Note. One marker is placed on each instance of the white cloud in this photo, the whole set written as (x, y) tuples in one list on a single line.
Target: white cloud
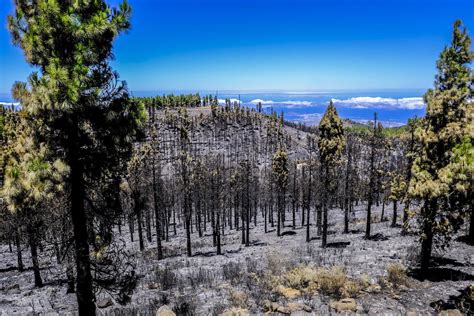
[(305, 103), (264, 102), (288, 104), (232, 101), (414, 103)]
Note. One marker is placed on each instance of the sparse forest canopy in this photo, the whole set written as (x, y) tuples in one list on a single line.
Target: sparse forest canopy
[(153, 201)]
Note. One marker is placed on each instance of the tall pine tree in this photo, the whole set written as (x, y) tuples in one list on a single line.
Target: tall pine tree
[(83, 111), (442, 173), (331, 145)]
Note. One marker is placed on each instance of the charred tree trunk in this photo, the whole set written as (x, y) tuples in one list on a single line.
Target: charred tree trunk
[(347, 189), (394, 218), (32, 240), (84, 293), (157, 213), (471, 226), (429, 211), (138, 212), (371, 181), (19, 255)]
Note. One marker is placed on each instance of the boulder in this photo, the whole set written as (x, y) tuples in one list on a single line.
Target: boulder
[(346, 304), (296, 307), (235, 311), (450, 312), (104, 303), (270, 306), (153, 286), (165, 311), (288, 292)]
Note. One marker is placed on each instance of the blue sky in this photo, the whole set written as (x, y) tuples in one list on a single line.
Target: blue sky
[(283, 45)]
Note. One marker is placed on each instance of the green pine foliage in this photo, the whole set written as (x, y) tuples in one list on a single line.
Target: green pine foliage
[(443, 172), (82, 113), (331, 137)]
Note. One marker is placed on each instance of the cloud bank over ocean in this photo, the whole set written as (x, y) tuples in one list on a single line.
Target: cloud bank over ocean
[(268, 103), (413, 103), (393, 107)]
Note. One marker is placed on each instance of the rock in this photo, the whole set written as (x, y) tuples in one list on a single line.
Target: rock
[(270, 306), (235, 311), (411, 313), (103, 303), (165, 311), (153, 286), (288, 292), (450, 312), (346, 304), (225, 286), (283, 310), (295, 307), (396, 297), (275, 307)]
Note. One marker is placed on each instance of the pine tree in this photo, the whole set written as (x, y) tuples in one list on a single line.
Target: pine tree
[(411, 152), (30, 180), (84, 112), (280, 173), (443, 172), (331, 145), (397, 189)]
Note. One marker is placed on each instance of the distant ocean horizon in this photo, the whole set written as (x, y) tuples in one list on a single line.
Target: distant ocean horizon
[(393, 107)]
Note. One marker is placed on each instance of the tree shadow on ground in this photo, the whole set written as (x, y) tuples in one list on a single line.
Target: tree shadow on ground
[(378, 237), (440, 261), (465, 239), (288, 233), (436, 274), (339, 244)]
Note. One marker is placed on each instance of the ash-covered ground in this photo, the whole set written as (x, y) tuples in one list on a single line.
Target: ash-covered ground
[(246, 277)]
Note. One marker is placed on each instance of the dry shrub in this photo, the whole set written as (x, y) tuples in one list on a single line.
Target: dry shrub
[(238, 298), (352, 288), (330, 281), (397, 275)]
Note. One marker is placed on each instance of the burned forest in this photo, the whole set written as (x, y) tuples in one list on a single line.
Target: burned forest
[(191, 204)]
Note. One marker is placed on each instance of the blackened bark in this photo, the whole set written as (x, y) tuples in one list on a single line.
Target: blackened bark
[(157, 213), (19, 255), (470, 239), (427, 241), (85, 296), (34, 255), (371, 181), (138, 212), (394, 218)]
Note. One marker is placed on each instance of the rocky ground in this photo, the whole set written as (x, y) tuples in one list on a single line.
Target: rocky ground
[(252, 279)]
